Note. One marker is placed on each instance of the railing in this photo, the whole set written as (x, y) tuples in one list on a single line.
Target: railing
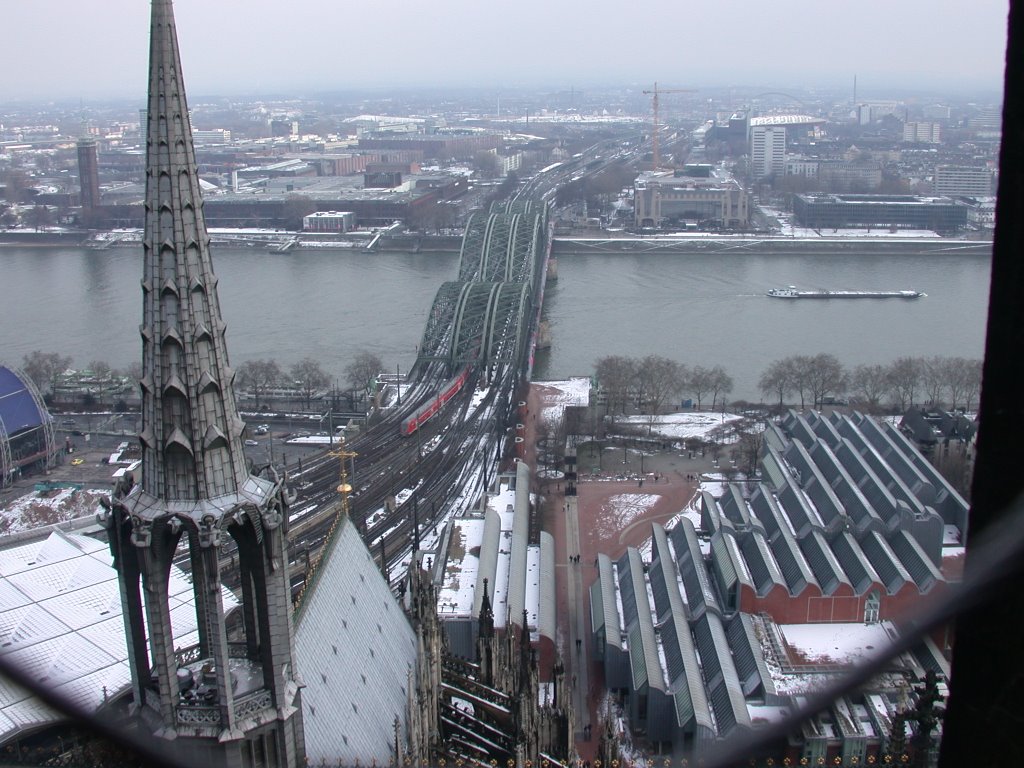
[(209, 715), (193, 653), (197, 715), (186, 656)]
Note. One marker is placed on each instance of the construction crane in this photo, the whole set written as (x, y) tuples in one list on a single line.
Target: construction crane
[(655, 93)]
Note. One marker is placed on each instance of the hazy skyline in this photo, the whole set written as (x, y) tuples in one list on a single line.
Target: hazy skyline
[(56, 49)]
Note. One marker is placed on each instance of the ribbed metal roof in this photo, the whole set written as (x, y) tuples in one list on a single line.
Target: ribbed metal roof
[(920, 567), (749, 659), (764, 569), (546, 623), (827, 571), (884, 560), (643, 647), (519, 544), (720, 677), (690, 563), (488, 565), (881, 501), (855, 563), (794, 567), (604, 613)]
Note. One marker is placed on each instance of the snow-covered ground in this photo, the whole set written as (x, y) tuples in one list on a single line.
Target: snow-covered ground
[(38, 509), (789, 229), (617, 512), (844, 643), (559, 394), (682, 425)]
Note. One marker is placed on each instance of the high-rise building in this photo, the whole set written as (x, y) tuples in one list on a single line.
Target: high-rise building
[(767, 150), (88, 174), (922, 133), (963, 181), (231, 699)]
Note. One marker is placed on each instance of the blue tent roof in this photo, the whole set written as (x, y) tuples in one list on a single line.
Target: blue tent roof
[(18, 411)]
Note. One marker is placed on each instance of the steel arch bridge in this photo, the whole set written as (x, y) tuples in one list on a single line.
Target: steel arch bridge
[(503, 246), (485, 316), (482, 322)]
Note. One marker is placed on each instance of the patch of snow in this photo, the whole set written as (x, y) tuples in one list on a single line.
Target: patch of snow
[(841, 643), (556, 395), (617, 512), (682, 425), (46, 508)]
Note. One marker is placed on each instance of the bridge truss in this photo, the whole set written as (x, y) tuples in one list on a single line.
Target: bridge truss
[(485, 316)]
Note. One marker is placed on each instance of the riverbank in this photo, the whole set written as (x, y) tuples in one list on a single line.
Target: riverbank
[(853, 242)]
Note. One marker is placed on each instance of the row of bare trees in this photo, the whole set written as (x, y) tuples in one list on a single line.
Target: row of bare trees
[(307, 377), (651, 383), (819, 379), (255, 377)]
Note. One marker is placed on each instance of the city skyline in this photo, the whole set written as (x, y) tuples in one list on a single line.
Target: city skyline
[(89, 50)]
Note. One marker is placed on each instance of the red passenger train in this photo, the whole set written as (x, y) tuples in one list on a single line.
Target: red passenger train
[(432, 406)]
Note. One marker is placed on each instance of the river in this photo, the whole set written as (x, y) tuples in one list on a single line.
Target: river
[(701, 309)]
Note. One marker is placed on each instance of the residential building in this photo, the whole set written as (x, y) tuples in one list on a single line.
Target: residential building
[(802, 166), (922, 133), (767, 150), (88, 174), (850, 175), (963, 181)]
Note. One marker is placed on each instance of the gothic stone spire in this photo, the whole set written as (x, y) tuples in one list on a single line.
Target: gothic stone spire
[(191, 436), (196, 490)]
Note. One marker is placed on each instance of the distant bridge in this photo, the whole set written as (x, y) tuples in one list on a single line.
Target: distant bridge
[(486, 316)]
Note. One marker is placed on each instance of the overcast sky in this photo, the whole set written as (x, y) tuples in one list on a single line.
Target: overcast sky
[(97, 48)]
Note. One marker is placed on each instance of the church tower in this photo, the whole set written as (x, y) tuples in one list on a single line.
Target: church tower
[(232, 699)]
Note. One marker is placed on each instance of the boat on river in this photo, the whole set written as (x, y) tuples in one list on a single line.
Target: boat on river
[(791, 292)]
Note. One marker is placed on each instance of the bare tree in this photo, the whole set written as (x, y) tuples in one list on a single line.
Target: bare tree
[(309, 377), (825, 376), (45, 368), (615, 376), (257, 376), (935, 377), (869, 383), (659, 379), (777, 379), (295, 209), (800, 370), (904, 380), (721, 384), (751, 439), (363, 369), (100, 369), (971, 381), (963, 378), (699, 383)]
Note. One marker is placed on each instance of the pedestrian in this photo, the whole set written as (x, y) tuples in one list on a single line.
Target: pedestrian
[(579, 643)]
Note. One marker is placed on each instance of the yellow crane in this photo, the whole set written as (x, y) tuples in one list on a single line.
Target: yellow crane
[(654, 136)]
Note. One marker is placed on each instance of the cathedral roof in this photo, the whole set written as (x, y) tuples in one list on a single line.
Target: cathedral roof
[(354, 650)]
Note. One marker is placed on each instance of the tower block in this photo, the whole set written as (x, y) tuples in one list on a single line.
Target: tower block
[(232, 699)]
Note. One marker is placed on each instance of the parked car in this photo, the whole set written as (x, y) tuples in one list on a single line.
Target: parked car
[(251, 442)]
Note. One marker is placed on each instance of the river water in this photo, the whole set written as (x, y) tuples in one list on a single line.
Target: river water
[(705, 309)]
